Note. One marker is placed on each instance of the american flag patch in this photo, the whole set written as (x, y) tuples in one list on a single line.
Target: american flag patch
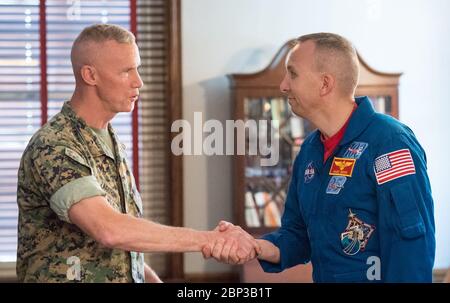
[(394, 165)]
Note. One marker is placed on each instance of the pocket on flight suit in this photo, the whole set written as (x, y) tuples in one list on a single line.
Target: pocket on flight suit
[(410, 221)]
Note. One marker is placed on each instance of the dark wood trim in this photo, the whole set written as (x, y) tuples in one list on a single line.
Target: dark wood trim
[(364, 64), (43, 60), (9, 280), (269, 77), (174, 97), (264, 77), (135, 114)]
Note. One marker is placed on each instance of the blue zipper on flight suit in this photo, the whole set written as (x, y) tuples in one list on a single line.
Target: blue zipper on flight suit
[(322, 172)]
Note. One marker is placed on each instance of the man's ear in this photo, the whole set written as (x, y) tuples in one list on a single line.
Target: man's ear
[(328, 83), (89, 74)]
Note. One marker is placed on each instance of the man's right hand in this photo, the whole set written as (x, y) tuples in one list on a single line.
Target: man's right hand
[(231, 244)]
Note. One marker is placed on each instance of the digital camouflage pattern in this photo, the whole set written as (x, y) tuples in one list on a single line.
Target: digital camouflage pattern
[(63, 150)]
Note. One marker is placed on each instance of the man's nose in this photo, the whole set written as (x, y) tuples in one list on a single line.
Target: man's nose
[(284, 87), (138, 83)]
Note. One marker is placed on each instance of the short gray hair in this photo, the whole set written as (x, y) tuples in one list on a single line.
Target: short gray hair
[(105, 32), (335, 54), (97, 33)]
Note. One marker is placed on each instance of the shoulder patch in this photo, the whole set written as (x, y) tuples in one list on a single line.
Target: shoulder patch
[(393, 165)]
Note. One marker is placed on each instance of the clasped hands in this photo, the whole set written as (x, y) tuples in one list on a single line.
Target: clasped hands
[(231, 244)]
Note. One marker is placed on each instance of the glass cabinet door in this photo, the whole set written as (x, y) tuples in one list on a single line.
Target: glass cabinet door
[(266, 186)]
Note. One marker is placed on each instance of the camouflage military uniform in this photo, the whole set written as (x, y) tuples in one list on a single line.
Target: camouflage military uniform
[(64, 158)]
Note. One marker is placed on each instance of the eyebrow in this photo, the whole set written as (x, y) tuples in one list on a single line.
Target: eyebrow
[(132, 67)]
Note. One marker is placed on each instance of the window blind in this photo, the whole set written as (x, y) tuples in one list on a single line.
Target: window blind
[(65, 20), (153, 121), (19, 106), (20, 102)]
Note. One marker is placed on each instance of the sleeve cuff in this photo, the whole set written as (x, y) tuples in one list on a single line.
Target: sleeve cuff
[(268, 266), (73, 192)]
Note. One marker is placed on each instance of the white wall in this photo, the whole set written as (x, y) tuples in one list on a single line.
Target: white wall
[(238, 36)]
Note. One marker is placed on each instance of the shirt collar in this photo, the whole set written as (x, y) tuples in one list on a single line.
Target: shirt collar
[(332, 142), (359, 121), (95, 146)]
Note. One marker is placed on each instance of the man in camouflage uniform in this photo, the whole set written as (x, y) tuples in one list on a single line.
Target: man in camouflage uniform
[(80, 214), (65, 162)]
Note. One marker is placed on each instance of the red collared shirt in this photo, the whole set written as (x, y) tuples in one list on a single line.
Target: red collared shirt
[(331, 143)]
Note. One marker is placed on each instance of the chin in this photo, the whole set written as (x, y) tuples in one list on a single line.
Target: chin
[(128, 107), (297, 112)]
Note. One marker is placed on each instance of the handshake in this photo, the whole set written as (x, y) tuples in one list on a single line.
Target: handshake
[(230, 244)]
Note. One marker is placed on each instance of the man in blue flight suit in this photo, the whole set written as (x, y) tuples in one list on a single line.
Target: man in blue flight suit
[(359, 204)]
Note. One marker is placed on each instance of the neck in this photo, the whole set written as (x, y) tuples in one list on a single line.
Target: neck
[(330, 119), (89, 107)]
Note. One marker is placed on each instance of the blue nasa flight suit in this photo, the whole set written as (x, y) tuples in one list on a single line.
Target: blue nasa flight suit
[(383, 210)]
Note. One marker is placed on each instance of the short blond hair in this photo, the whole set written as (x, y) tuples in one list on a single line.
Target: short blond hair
[(97, 33), (337, 55)]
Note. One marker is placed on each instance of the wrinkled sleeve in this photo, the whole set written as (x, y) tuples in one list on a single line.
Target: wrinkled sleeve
[(406, 216), (65, 178), (291, 238)]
